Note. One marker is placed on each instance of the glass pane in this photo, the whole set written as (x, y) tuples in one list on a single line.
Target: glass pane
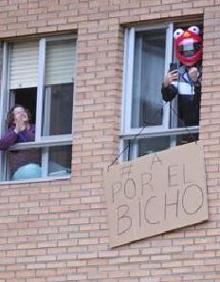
[(26, 97), (155, 144), (27, 164), (60, 160), (24, 164), (186, 138), (58, 107), (60, 61), (188, 110), (137, 148), (149, 61), (23, 64)]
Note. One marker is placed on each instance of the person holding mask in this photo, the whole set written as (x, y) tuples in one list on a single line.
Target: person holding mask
[(184, 79), (23, 164)]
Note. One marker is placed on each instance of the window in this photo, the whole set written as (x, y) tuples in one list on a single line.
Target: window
[(149, 124), (39, 75)]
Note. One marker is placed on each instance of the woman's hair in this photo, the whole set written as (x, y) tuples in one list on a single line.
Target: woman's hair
[(10, 115)]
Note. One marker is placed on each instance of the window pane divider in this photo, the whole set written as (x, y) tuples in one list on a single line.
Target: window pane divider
[(168, 60), (41, 144), (4, 100), (45, 159), (40, 88), (128, 77), (146, 134)]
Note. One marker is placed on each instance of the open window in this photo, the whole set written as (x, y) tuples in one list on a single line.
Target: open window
[(149, 124), (39, 75)]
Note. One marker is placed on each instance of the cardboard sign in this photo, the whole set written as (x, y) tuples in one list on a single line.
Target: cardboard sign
[(156, 193)]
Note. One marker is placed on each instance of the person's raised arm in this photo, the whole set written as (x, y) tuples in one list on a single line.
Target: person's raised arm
[(20, 123), (168, 90), (8, 139)]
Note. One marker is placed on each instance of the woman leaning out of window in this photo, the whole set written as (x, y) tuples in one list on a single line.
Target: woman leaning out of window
[(23, 164)]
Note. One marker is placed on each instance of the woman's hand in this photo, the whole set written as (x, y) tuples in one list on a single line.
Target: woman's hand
[(21, 122), (20, 125), (170, 77), (20, 119)]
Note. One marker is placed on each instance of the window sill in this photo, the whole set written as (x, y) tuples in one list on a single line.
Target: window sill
[(47, 142), (135, 133)]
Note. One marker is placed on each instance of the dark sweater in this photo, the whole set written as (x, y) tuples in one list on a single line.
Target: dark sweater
[(188, 105), (19, 158)]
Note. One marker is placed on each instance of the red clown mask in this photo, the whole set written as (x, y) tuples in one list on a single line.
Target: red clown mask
[(188, 45)]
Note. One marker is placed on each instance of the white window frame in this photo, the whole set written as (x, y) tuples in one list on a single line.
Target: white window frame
[(134, 134), (41, 141)]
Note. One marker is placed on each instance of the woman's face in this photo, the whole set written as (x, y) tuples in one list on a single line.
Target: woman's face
[(20, 114)]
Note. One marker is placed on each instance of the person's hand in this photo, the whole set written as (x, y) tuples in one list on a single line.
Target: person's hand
[(170, 77), (193, 74), (20, 124)]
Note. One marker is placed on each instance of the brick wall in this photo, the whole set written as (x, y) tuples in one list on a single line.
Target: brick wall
[(57, 231)]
